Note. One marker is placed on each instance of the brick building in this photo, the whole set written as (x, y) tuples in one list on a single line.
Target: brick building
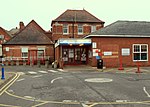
[(4, 37), (30, 44), (125, 42), (68, 30), (74, 24)]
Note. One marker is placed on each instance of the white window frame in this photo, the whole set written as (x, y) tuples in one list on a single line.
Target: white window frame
[(140, 52), (39, 52), (66, 27), (80, 27), (93, 28), (24, 50)]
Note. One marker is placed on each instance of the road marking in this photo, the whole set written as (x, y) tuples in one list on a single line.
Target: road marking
[(84, 105), (60, 70), (98, 80), (20, 79), (121, 101), (52, 71), (56, 79), (43, 72), (6, 86), (76, 103), (146, 92), (32, 72), (21, 73), (4, 105), (37, 76)]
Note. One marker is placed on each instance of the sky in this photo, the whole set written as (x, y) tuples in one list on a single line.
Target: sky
[(44, 11)]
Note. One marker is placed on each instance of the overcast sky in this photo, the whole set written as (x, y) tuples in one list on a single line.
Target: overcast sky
[(44, 11)]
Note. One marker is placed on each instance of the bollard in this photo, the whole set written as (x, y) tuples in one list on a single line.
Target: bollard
[(3, 75), (121, 67), (138, 67)]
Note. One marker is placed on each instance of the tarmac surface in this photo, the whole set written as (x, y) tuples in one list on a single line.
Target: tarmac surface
[(75, 86), (9, 75)]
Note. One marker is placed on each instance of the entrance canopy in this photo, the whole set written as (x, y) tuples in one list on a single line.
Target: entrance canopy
[(73, 41)]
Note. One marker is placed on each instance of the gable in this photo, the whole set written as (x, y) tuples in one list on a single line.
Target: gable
[(31, 34)]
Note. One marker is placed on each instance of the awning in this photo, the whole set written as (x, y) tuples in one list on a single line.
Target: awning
[(73, 41)]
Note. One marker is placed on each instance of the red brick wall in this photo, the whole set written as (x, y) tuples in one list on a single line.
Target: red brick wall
[(115, 45), (15, 50), (57, 30), (6, 36)]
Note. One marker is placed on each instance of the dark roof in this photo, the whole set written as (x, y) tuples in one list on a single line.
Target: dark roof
[(78, 16), (31, 34), (125, 28)]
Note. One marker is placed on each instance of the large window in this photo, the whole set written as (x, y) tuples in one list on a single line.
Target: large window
[(80, 29), (65, 29), (24, 52), (140, 52)]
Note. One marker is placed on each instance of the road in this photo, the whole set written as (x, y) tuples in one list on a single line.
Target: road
[(47, 87)]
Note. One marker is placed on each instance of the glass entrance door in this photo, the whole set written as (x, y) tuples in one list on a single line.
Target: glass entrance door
[(77, 55), (74, 56)]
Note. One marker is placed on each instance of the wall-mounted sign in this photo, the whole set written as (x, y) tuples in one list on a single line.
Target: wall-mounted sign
[(107, 53), (125, 51), (74, 41)]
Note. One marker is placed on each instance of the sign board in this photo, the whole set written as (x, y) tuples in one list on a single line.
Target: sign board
[(74, 41), (107, 53), (95, 54), (98, 57), (7, 49), (125, 51)]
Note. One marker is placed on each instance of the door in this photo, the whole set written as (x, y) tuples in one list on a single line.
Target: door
[(77, 55)]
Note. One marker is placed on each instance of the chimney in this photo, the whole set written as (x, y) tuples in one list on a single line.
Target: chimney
[(21, 24)]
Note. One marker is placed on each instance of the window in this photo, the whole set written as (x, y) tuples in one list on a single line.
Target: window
[(80, 29), (65, 29), (93, 28), (41, 52), (140, 52), (24, 52)]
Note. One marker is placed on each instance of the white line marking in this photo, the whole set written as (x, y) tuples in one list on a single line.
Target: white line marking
[(56, 79), (32, 72), (52, 71), (146, 92), (37, 76), (121, 101), (84, 105), (60, 70), (21, 73), (20, 79), (43, 72)]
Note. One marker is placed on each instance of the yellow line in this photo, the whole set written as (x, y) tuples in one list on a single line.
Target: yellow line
[(8, 83), (14, 79), (4, 105), (23, 97), (90, 103), (40, 104)]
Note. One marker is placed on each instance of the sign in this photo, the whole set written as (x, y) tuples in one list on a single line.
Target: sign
[(107, 53), (125, 51), (98, 57), (74, 41), (7, 49), (95, 54)]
